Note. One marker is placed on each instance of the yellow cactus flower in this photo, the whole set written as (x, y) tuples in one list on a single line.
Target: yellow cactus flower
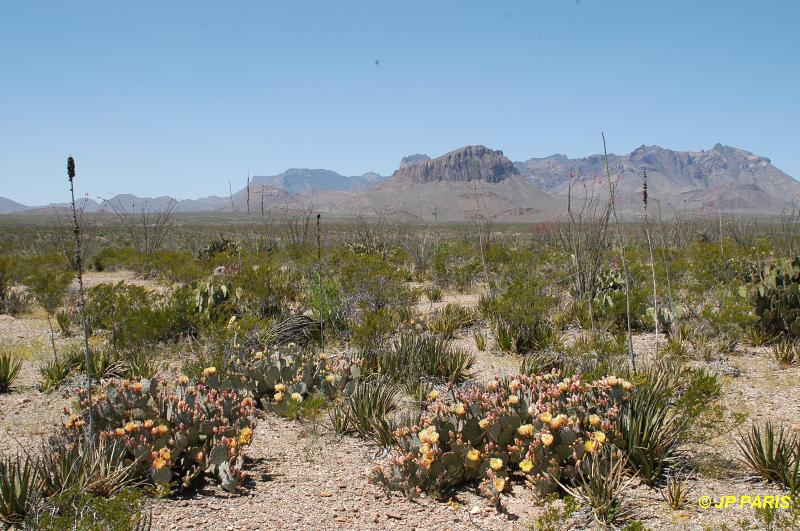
[(627, 385), (330, 378), (148, 424), (546, 417), (547, 439), (165, 454), (296, 397), (499, 484), (589, 446), (473, 455), (458, 409), (119, 432), (246, 436), (159, 463), (278, 396), (526, 430), (513, 399), (484, 423), (130, 427), (162, 429), (612, 380), (526, 465), (183, 379), (495, 463), (514, 385), (558, 422), (594, 420), (208, 371), (323, 356), (433, 395), (600, 437), (280, 388), (258, 356)]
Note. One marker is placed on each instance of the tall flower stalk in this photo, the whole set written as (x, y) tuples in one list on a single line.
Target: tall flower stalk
[(76, 231), (652, 261)]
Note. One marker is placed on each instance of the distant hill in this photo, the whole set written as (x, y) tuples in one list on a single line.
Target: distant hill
[(7, 206), (724, 178), (306, 181)]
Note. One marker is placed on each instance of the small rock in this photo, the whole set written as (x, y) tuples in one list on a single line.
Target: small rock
[(394, 516), (326, 494), (475, 510)]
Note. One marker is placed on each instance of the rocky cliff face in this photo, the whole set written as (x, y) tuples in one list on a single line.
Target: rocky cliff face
[(413, 159), (467, 164)]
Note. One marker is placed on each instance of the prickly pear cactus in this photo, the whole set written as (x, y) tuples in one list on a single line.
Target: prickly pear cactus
[(175, 432), (538, 427), (774, 295)]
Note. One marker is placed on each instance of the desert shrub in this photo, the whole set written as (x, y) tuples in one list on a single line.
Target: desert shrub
[(539, 427), (451, 319), (772, 453), (517, 317), (373, 329), (115, 258), (9, 370), (456, 265), (11, 302), (134, 316), (18, 487), (774, 297), (676, 492), (263, 291), (176, 433), (370, 282), (125, 511)]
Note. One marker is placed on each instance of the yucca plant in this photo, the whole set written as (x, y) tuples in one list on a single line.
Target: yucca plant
[(786, 353), (677, 490), (369, 407), (54, 372), (72, 469), (540, 362), (64, 321), (651, 433), (451, 319), (601, 486), (503, 335), (773, 454), (18, 487), (9, 370), (480, 340), (434, 294)]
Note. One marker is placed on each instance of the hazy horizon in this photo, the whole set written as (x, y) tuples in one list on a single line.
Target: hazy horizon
[(177, 99)]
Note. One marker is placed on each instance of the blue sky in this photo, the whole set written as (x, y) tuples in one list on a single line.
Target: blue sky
[(179, 97)]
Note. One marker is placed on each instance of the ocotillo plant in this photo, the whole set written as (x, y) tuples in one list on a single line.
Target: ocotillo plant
[(611, 192), (76, 230)]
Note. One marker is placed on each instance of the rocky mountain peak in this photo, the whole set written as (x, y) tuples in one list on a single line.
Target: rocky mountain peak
[(466, 164)]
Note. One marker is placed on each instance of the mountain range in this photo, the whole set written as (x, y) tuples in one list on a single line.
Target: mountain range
[(475, 180)]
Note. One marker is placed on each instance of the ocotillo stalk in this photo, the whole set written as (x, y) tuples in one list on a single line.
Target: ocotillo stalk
[(652, 261), (76, 230), (611, 192)]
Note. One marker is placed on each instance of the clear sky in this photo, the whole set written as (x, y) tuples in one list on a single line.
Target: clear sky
[(178, 97)]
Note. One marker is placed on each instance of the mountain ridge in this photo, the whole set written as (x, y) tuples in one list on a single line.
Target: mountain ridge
[(721, 178)]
